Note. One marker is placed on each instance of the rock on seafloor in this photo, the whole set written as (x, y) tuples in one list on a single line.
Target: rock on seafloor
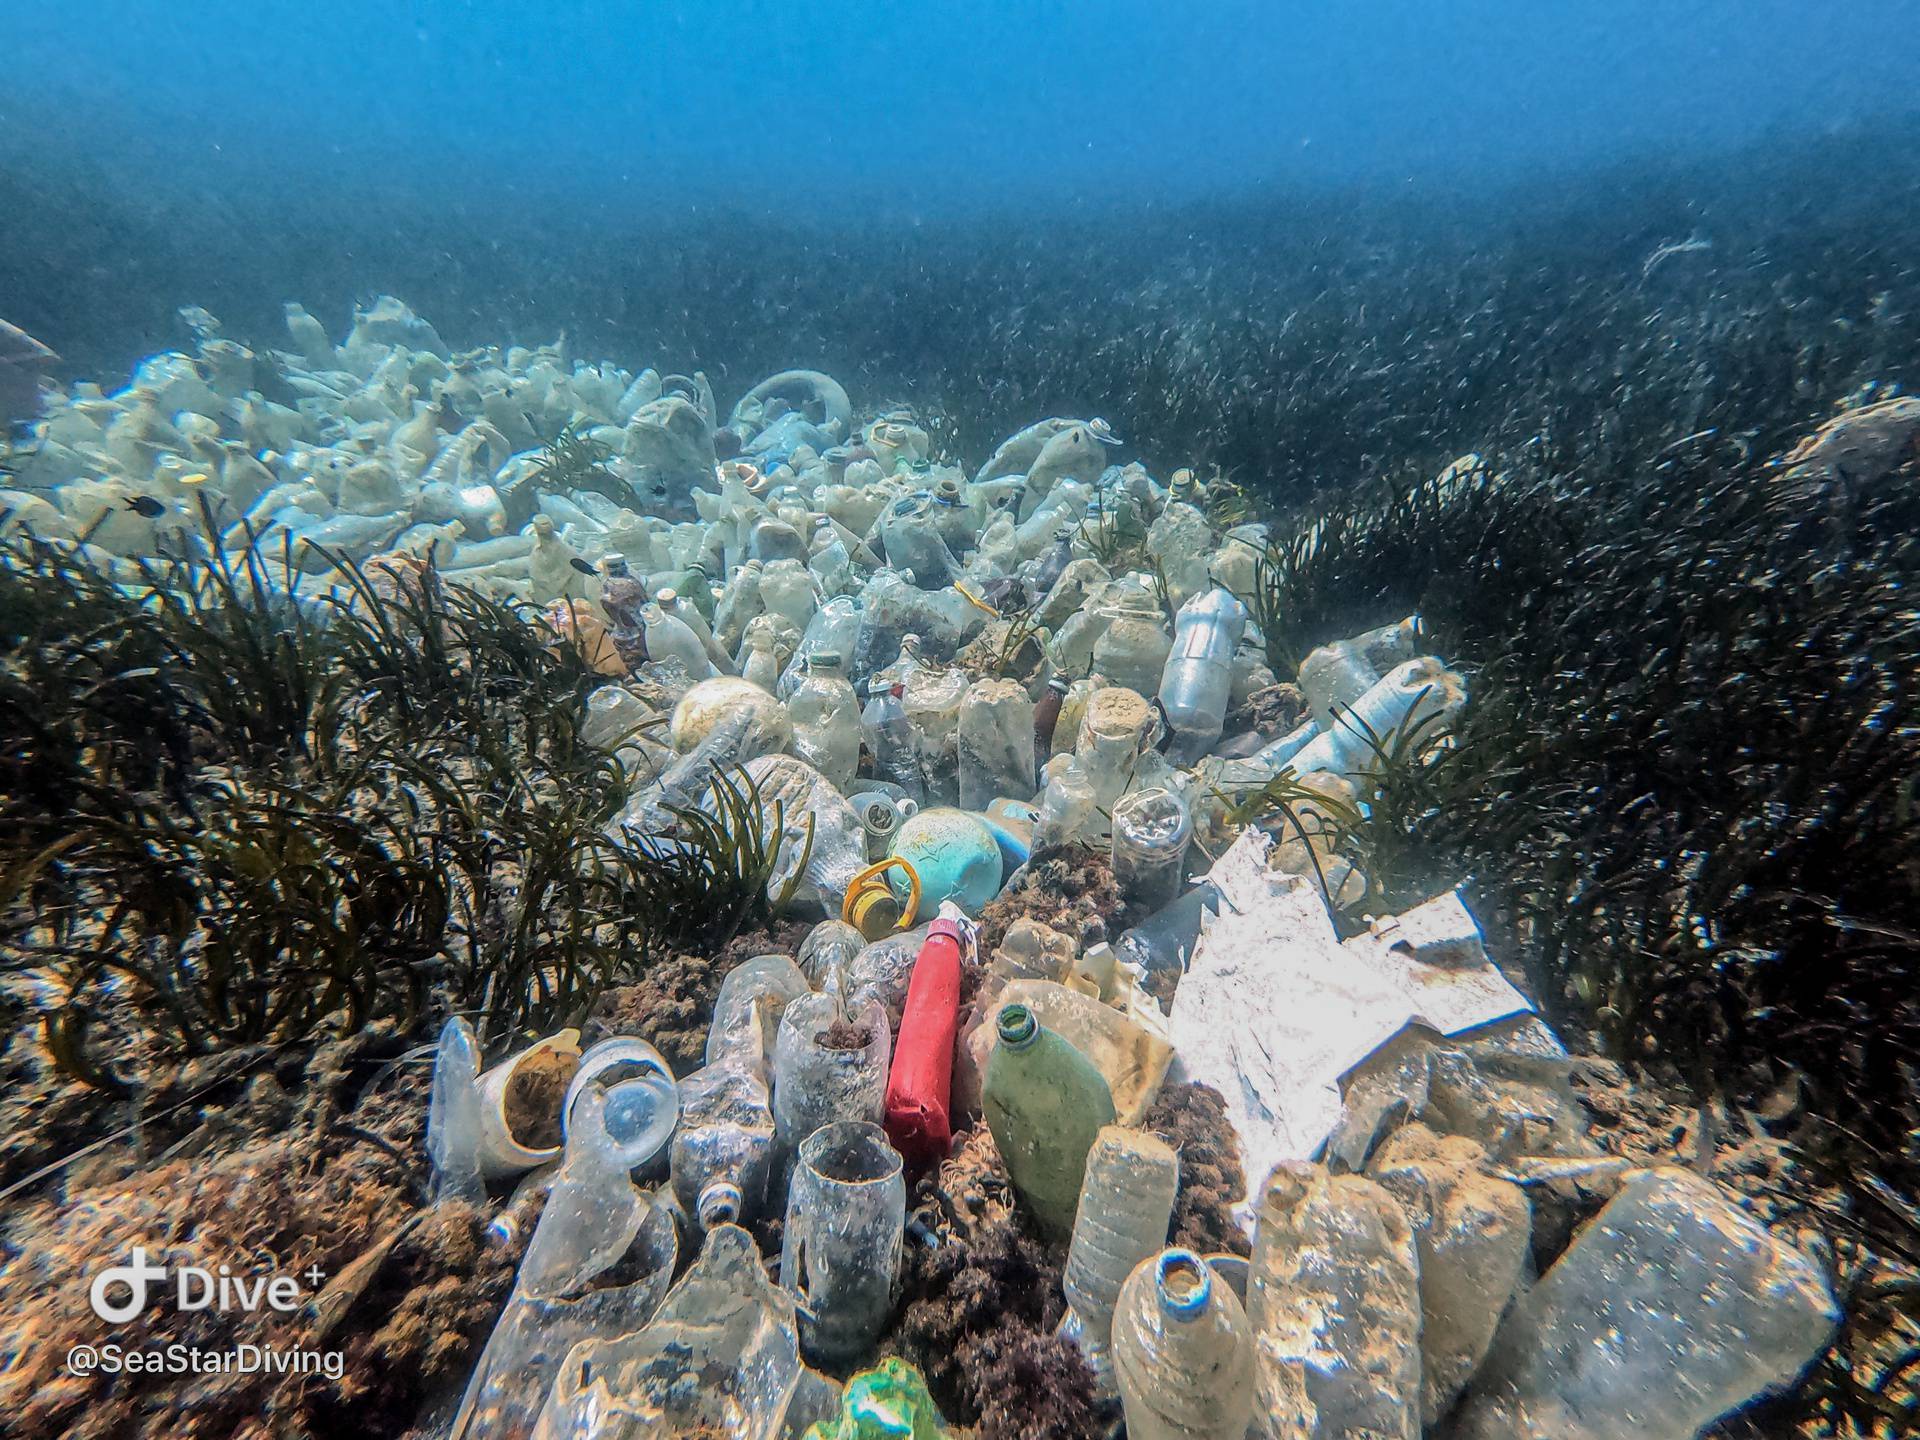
[(1671, 1308), (1334, 1297)]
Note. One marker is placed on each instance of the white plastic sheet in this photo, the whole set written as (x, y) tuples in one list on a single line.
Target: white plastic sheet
[(1274, 1009)]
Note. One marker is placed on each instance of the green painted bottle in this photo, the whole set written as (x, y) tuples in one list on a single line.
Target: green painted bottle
[(1045, 1104)]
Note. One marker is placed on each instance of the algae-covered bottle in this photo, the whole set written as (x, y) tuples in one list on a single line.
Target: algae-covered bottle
[(1045, 1104), (1182, 1352), (826, 721)]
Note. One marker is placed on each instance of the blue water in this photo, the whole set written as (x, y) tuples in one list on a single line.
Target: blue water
[(815, 108)]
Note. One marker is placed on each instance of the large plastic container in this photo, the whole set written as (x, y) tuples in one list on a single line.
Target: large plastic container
[(1045, 1104)]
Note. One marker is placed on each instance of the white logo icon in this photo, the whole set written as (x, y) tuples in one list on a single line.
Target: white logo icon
[(134, 1276)]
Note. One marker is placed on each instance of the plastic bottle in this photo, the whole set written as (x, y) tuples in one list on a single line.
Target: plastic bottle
[(747, 1012), (1407, 695), (1046, 719), (1132, 650), (669, 638), (1151, 830), (995, 743), (845, 1233), (688, 614), (1198, 676), (1045, 1104), (826, 954), (723, 1149), (1165, 939), (739, 603), (919, 1087), (835, 626), (762, 665), (821, 1075), (826, 721), (787, 589), (896, 753), (1113, 733), (913, 544), (1126, 1203), (932, 698), (1066, 807), (1182, 1352)]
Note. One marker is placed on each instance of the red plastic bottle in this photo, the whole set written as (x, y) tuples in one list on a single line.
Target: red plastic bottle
[(920, 1085)]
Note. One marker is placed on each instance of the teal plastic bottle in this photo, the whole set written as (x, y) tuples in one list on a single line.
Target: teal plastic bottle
[(1045, 1105)]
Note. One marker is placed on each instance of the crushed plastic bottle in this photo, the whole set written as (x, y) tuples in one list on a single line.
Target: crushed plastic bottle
[(845, 1232), (721, 1356), (829, 1065)]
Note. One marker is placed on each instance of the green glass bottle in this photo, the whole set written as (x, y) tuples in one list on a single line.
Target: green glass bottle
[(1045, 1104)]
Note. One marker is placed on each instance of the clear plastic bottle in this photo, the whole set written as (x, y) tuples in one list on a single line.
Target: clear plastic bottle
[(1198, 677), (835, 626), (787, 589), (828, 1065), (669, 638), (826, 721), (1126, 1203), (1151, 831), (1410, 694), (913, 543), (762, 665), (896, 751), (1066, 807), (932, 697), (688, 614), (1182, 1352), (844, 1239), (1113, 732)]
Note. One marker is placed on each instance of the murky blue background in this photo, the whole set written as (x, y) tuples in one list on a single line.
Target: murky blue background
[(802, 106)]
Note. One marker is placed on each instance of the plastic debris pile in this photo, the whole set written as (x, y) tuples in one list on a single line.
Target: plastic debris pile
[(934, 682)]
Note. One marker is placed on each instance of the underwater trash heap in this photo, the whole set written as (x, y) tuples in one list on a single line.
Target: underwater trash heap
[(1055, 853)]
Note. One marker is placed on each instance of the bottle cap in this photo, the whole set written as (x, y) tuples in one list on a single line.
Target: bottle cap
[(667, 595), (1184, 1283), (1017, 1026)]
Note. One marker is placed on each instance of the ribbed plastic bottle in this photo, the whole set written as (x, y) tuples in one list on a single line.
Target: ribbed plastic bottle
[(1182, 1352), (1126, 1202), (1045, 1104), (826, 721), (1198, 676)]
